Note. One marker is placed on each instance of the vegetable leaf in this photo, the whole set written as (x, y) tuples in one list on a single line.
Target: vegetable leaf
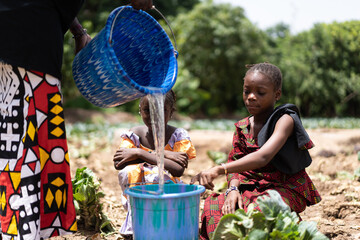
[(87, 196), (217, 157), (274, 221)]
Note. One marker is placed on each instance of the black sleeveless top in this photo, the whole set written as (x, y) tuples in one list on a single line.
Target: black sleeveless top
[(32, 32), (293, 156)]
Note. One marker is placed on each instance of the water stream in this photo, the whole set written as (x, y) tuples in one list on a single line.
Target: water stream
[(156, 102)]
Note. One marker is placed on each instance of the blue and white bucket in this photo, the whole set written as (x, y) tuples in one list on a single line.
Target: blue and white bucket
[(132, 56)]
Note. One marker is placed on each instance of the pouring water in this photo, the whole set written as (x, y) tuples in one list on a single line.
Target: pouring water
[(156, 102)]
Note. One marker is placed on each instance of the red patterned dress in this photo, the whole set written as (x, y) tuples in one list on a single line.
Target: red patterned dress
[(296, 190), (35, 182)]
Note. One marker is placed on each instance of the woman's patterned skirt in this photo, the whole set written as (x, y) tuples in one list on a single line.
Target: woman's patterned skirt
[(35, 184)]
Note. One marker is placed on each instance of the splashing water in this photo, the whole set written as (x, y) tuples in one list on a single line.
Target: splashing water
[(156, 102)]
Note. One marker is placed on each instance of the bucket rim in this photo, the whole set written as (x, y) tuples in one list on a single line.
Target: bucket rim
[(143, 89), (143, 194)]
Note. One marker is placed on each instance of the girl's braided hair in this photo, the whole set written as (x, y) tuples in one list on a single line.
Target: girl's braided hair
[(269, 70)]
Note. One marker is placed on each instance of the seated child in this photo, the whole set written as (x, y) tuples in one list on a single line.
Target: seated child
[(269, 152), (136, 158)]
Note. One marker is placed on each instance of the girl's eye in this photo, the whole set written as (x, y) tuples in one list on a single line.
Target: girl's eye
[(261, 93), (246, 92)]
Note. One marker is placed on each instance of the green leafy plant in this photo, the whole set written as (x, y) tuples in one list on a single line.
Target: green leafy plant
[(87, 196), (275, 221), (220, 187), (217, 157)]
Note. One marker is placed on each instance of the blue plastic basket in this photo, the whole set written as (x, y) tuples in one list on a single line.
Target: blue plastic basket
[(130, 57)]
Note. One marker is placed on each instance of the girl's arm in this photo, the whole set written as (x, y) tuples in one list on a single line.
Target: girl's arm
[(127, 156), (283, 129), (124, 157), (180, 158)]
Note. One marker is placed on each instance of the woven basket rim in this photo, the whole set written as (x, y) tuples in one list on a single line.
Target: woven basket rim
[(113, 57)]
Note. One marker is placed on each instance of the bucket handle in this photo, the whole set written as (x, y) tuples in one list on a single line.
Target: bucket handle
[(153, 7)]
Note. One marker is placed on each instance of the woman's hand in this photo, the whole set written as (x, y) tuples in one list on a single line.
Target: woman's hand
[(180, 158), (125, 155), (81, 41), (207, 177), (79, 34), (142, 4), (231, 200)]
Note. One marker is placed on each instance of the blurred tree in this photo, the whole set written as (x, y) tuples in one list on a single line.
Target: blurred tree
[(279, 31), (215, 42), (97, 11), (174, 7), (321, 72), (320, 66)]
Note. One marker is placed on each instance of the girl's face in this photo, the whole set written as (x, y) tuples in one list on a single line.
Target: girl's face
[(259, 93), (145, 112)]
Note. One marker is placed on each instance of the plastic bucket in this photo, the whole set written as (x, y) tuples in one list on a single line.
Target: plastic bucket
[(130, 57), (172, 215)]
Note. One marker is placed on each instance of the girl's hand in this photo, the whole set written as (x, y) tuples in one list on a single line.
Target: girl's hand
[(142, 4), (179, 157), (125, 155), (206, 178), (231, 200)]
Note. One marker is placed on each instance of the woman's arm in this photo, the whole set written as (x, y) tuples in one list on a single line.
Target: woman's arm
[(82, 38), (283, 129), (142, 4)]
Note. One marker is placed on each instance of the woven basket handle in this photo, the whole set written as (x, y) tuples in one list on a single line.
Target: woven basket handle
[(153, 7), (176, 49)]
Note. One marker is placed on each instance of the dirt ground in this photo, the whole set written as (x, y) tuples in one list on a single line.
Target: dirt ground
[(334, 161)]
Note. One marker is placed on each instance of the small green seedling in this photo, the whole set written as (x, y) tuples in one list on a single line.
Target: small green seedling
[(87, 195), (217, 157)]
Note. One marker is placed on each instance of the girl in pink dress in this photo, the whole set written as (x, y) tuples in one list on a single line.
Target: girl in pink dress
[(136, 158)]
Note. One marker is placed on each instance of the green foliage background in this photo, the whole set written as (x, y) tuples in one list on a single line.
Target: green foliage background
[(320, 66)]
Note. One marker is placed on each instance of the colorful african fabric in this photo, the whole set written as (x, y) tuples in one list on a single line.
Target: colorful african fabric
[(35, 184), (296, 190), (144, 172)]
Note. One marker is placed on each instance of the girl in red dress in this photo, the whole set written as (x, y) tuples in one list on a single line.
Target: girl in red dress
[(269, 153)]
